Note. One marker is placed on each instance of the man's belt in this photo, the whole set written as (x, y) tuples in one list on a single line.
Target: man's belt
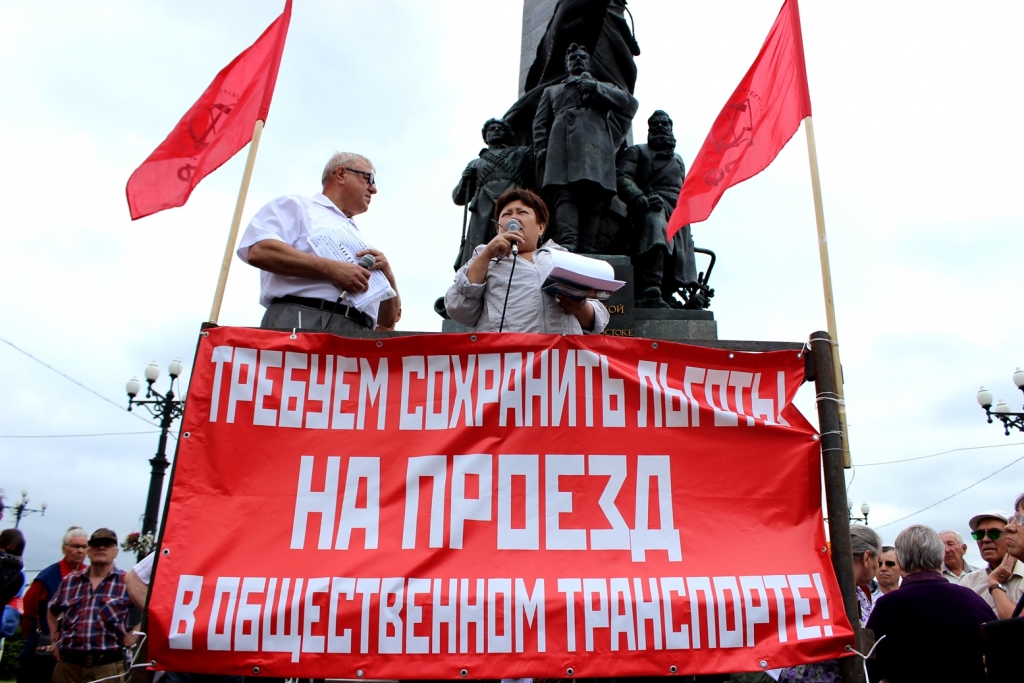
[(89, 658), (353, 314)]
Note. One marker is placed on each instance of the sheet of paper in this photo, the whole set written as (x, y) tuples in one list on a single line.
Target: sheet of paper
[(338, 244), (590, 273)]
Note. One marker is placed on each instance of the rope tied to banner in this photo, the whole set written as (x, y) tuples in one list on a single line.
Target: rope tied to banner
[(133, 665), (864, 657)]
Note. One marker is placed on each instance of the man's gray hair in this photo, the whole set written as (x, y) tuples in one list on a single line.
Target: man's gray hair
[(919, 548), (72, 532), (864, 539), (340, 159), (959, 538)]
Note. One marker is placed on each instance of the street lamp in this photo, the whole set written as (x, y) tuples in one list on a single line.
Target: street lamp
[(167, 409), (21, 508), (864, 510), (1002, 410)]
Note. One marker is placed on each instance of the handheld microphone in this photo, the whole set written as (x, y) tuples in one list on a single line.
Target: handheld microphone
[(514, 225), (367, 261)]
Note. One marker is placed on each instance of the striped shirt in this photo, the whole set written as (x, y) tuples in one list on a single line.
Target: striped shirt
[(94, 619)]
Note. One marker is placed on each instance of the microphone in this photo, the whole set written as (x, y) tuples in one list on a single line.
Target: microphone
[(514, 225), (367, 261)]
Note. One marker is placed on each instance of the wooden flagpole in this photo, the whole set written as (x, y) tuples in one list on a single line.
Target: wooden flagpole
[(236, 220), (826, 282)]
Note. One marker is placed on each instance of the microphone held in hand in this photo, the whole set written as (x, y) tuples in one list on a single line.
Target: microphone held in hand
[(367, 261), (514, 225)]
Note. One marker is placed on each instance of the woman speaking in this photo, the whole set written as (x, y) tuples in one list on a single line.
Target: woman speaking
[(499, 289)]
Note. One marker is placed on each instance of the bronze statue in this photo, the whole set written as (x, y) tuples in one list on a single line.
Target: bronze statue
[(650, 177), (577, 129), (498, 169)]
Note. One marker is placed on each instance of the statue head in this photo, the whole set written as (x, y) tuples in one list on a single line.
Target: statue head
[(577, 59), (497, 132), (659, 132)]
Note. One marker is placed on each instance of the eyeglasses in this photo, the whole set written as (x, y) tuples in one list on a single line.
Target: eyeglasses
[(1017, 519), (103, 543), (888, 563), (369, 177), (76, 546), (993, 534)]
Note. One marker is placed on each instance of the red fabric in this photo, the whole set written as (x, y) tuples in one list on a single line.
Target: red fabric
[(219, 124), (281, 454), (760, 117)]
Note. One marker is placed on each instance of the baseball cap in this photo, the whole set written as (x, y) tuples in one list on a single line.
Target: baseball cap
[(988, 514), (103, 534)]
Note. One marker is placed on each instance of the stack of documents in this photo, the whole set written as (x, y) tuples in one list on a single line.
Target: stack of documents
[(580, 277)]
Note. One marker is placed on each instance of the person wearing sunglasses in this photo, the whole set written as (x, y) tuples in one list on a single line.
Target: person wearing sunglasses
[(889, 572), (1002, 581), (305, 281)]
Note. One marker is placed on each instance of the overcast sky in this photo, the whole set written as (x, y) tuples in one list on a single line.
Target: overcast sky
[(916, 110)]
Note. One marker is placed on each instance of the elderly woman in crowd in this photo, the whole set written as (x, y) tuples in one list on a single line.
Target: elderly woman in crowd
[(932, 627), (867, 548), (497, 291)]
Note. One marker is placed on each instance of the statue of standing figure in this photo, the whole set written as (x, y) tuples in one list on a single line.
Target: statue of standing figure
[(650, 177), (498, 168), (577, 130)]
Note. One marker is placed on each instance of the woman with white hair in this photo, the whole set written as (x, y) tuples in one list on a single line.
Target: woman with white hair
[(38, 662), (932, 628)]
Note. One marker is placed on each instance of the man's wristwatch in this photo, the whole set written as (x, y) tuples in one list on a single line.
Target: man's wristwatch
[(998, 586)]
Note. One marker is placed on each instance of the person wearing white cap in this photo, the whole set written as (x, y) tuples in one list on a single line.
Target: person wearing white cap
[(1002, 581)]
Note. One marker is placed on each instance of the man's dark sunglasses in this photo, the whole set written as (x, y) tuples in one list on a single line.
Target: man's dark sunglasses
[(370, 179), (993, 534), (103, 543), (888, 563)]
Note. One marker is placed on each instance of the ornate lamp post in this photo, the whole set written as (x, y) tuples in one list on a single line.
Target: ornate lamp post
[(1003, 411), (864, 510), (166, 408), (21, 508)]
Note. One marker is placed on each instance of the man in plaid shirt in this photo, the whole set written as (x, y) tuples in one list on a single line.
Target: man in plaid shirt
[(94, 605)]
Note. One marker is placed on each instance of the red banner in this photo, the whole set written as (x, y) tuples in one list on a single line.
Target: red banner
[(492, 506)]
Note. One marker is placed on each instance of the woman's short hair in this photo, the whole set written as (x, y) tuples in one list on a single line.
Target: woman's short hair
[(527, 197), (864, 539), (1019, 503), (340, 159), (919, 548), (72, 532)]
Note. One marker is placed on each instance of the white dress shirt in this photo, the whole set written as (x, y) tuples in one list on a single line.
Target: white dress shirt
[(290, 219)]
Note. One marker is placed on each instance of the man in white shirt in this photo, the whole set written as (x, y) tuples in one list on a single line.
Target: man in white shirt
[(954, 565), (300, 288), (1002, 581)]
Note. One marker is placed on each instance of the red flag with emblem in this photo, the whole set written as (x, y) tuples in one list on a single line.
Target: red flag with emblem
[(216, 127), (759, 119)]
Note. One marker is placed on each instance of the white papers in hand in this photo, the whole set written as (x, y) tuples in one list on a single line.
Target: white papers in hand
[(338, 244), (584, 272)]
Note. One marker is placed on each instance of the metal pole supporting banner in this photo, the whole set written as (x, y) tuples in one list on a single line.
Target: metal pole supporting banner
[(835, 494)]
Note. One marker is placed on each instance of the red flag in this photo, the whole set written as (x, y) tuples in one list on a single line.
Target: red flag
[(760, 117), (219, 124)]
